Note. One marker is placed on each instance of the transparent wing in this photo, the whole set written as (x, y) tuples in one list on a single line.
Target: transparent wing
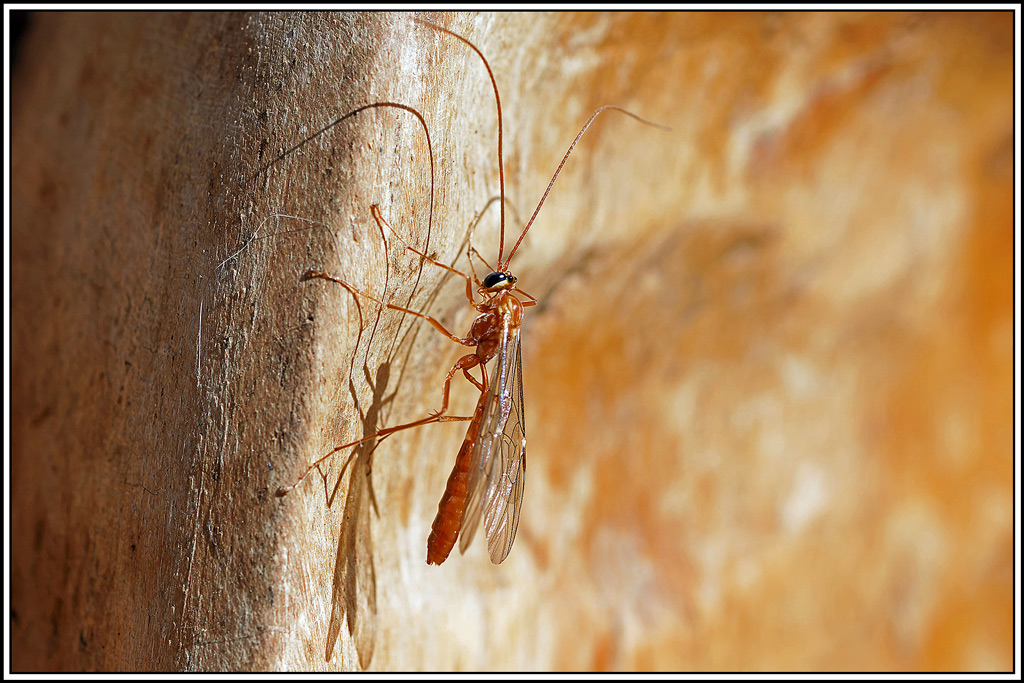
[(498, 466), (501, 512)]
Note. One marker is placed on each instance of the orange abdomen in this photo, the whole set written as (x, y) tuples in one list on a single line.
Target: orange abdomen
[(448, 522)]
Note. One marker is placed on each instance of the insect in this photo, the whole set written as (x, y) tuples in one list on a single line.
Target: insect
[(487, 481)]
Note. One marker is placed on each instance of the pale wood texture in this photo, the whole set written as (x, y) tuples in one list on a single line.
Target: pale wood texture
[(768, 388)]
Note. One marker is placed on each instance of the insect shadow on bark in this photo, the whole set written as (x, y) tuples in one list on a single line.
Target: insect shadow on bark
[(354, 589), (354, 585), (354, 596)]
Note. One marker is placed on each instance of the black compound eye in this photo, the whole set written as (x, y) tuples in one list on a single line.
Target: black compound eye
[(497, 279)]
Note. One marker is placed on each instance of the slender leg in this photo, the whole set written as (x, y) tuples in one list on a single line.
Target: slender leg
[(478, 385), (283, 490), (465, 341), (323, 475), (470, 360), (465, 364), (375, 210), (531, 302), (472, 250)]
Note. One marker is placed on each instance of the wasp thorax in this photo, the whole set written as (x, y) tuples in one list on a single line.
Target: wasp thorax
[(498, 281)]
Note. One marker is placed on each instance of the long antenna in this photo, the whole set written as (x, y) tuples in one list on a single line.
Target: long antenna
[(502, 265), (503, 262), (497, 101)]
